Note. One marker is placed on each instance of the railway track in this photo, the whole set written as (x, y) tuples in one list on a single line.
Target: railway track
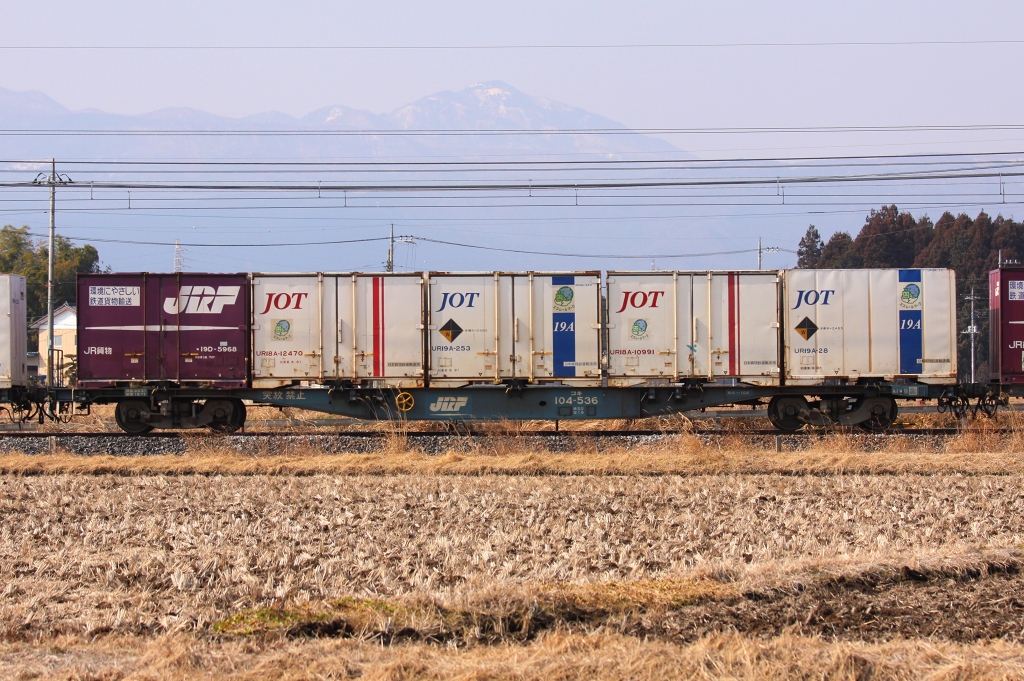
[(433, 442), (551, 434)]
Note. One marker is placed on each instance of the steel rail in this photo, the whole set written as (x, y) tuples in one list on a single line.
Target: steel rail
[(765, 432)]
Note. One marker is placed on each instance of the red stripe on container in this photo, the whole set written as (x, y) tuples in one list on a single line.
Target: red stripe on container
[(733, 327), (739, 323), (383, 335), (378, 325)]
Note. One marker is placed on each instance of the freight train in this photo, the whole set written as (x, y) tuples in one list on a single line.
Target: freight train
[(818, 347)]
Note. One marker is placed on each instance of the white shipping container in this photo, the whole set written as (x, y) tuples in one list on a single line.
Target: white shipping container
[(672, 326), (14, 337), (853, 324), (538, 327), (332, 327)]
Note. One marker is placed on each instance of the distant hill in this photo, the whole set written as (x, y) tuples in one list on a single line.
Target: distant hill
[(492, 105)]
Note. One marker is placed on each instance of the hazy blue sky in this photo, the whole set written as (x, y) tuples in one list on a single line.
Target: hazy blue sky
[(640, 87), (747, 85)]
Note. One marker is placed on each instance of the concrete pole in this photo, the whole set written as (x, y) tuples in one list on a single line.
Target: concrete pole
[(49, 275)]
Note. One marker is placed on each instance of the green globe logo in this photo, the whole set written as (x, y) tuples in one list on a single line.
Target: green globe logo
[(563, 299), (282, 329), (639, 329), (911, 292)]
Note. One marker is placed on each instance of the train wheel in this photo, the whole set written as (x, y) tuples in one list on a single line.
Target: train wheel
[(785, 412), (883, 415), (228, 415), (239, 419), (128, 414)]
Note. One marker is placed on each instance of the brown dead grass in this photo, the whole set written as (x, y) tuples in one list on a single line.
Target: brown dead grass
[(517, 577), (92, 555), (967, 453), (555, 657)]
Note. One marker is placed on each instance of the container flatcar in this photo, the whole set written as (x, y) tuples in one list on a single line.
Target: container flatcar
[(820, 347)]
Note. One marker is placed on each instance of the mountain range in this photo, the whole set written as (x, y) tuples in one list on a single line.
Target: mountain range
[(487, 106)]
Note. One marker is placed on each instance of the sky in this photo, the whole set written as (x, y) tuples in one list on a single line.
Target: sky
[(769, 64), (641, 87)]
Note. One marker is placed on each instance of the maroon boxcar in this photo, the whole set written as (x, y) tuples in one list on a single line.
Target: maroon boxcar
[(1006, 324), (184, 328)]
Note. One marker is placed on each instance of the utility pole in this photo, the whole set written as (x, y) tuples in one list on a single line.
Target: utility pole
[(53, 180), (389, 266), (767, 249), (179, 257), (972, 331)]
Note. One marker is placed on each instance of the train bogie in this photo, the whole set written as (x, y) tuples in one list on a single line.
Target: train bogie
[(183, 328), (851, 325), (681, 326)]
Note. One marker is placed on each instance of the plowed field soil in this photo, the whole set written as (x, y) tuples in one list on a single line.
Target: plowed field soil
[(440, 576)]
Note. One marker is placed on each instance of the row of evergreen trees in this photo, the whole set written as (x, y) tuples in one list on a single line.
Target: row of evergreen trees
[(890, 238)]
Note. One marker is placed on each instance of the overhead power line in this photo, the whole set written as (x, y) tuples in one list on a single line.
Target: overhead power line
[(515, 163), (483, 132), (176, 243), (526, 186), (537, 46), (659, 256), (412, 238)]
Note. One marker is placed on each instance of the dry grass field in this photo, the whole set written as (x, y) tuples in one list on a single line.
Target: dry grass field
[(680, 560)]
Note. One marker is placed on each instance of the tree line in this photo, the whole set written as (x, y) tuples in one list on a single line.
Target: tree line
[(894, 239), (22, 254)]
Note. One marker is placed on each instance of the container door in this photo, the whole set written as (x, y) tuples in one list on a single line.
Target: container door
[(938, 359), (383, 332), (816, 307), (13, 339), (465, 327), (111, 328), (881, 334), (641, 329), (286, 327), (169, 300), (202, 328), (757, 333), (687, 349), (714, 320), (995, 327), (1007, 324), (557, 336)]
